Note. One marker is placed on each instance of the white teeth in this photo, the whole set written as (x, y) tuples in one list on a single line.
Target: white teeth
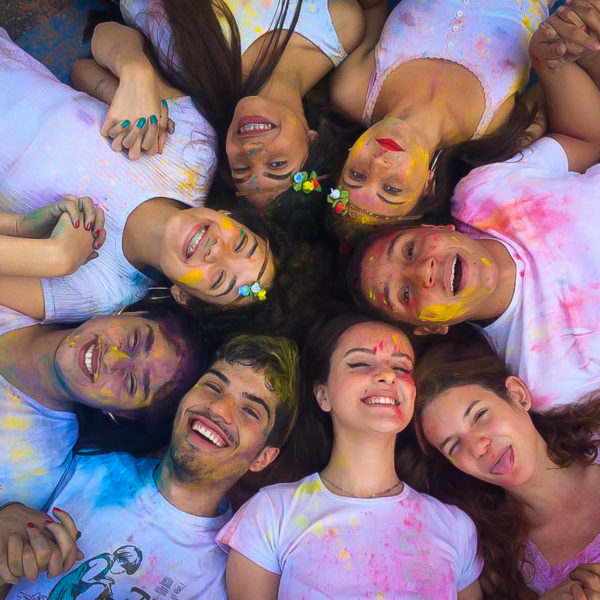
[(207, 433), (255, 127), (452, 282), (196, 239), (87, 359), (381, 400)]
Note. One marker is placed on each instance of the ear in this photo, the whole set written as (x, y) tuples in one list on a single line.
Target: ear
[(320, 392), (267, 455), (180, 296), (313, 135), (518, 393), (431, 329)]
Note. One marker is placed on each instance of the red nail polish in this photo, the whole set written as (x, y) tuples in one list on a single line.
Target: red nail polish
[(30, 525), (77, 223), (97, 232), (48, 522), (88, 226), (58, 509)]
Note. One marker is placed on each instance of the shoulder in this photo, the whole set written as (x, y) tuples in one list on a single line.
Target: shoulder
[(348, 19)]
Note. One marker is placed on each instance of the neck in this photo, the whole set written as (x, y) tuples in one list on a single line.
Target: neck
[(144, 230), (362, 465), (550, 490), (505, 286), (287, 94), (200, 496), (27, 362)]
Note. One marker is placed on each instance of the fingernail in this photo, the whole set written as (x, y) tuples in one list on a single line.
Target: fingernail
[(88, 227), (77, 223), (164, 102), (97, 245), (30, 525), (48, 522), (141, 122), (97, 232), (78, 535), (58, 509), (125, 123), (153, 119)]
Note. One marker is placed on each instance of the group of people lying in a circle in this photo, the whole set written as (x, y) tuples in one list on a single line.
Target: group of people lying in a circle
[(185, 246)]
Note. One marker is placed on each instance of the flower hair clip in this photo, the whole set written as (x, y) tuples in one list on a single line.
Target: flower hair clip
[(253, 290), (339, 198), (305, 182)]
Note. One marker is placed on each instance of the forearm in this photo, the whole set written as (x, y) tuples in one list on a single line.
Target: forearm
[(376, 14), (89, 77), (27, 257), (8, 223), (23, 294)]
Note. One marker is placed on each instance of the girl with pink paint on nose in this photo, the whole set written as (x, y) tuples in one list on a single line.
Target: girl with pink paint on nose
[(371, 535), (530, 481)]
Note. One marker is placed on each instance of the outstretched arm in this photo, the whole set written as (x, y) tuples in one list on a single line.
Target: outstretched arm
[(246, 580)]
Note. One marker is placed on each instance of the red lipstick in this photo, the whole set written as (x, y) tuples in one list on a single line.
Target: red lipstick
[(389, 145)]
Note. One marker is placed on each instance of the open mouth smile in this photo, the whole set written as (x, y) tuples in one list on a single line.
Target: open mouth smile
[(194, 241), (249, 126), (89, 356), (456, 272), (207, 433), (380, 401), (505, 462)]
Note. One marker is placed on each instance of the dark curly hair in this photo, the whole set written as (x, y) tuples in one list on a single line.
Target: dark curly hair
[(571, 433)]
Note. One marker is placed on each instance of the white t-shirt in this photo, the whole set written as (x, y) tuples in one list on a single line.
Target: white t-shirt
[(132, 537), (326, 546), (54, 147), (35, 441), (549, 220)]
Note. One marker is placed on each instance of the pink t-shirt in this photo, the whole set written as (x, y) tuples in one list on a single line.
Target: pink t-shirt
[(331, 547), (548, 218)]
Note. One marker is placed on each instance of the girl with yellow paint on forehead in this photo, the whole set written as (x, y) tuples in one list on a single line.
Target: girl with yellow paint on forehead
[(443, 72)]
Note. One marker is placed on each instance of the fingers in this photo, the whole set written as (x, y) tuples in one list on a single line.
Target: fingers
[(589, 579), (65, 534), (150, 139), (70, 205), (563, 23), (583, 13)]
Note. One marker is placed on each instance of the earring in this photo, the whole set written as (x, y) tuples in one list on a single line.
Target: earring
[(435, 160), (158, 288), (112, 418)]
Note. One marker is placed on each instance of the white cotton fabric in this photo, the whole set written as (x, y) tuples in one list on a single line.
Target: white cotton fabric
[(326, 546)]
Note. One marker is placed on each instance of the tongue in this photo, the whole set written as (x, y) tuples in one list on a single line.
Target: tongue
[(505, 464)]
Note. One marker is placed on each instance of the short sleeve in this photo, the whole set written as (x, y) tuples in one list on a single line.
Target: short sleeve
[(546, 153), (254, 532), (468, 563), (11, 320)]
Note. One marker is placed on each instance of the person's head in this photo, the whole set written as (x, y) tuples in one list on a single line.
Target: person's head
[(266, 142), (209, 256), (475, 414), (136, 364), (240, 411), (127, 559), (429, 277), (357, 373), (387, 170)]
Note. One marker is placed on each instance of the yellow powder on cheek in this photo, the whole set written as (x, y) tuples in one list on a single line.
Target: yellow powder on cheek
[(486, 261), (116, 352), (191, 278), (441, 313)]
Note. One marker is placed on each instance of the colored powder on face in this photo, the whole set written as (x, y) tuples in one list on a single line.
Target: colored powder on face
[(226, 223), (116, 352), (442, 313), (191, 278), (486, 261)]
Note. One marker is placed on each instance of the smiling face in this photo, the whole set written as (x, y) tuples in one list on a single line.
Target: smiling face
[(386, 170), (484, 435), (428, 275), (370, 385), (223, 422), (121, 363), (210, 256), (266, 143)]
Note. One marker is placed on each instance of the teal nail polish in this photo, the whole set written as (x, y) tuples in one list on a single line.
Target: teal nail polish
[(141, 122), (153, 119), (164, 102), (125, 124)]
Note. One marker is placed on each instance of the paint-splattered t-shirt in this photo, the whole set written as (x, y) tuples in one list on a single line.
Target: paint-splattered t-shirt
[(548, 218), (489, 38), (35, 441), (132, 538), (326, 546), (52, 146), (253, 18)]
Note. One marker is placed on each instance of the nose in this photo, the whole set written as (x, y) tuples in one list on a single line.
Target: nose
[(385, 375), (223, 408), (115, 359), (424, 272), (478, 445), (252, 146)]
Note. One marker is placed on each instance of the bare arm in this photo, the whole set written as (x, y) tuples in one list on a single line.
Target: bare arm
[(96, 81), (376, 14), (247, 581), (23, 294), (472, 592)]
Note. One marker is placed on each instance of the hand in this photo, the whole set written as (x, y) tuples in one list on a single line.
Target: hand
[(31, 542), (569, 34), (588, 576), (138, 118), (71, 247), (82, 213)]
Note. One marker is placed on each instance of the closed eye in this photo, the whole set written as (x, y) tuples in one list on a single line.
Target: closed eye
[(252, 413), (242, 243), (135, 338), (479, 414), (130, 384), (213, 387), (358, 364), (453, 448), (217, 282), (403, 369)]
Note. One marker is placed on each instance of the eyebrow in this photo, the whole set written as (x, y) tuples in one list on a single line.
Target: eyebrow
[(467, 413), (260, 401), (370, 351), (218, 375), (391, 247), (278, 177)]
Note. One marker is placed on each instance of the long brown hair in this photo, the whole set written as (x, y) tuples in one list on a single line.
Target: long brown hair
[(571, 433)]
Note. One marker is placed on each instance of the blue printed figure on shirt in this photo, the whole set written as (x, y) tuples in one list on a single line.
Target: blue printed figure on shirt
[(94, 572)]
